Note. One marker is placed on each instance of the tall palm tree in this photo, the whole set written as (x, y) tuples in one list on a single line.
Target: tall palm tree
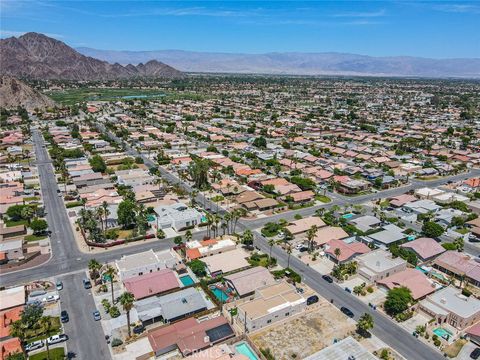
[(110, 272), (289, 252), (127, 299), (337, 253), (311, 233), (94, 266), (27, 213), (99, 215), (271, 242), (227, 217), (106, 212), (46, 324)]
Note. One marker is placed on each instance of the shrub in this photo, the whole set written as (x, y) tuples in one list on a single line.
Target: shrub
[(111, 234), (114, 312), (160, 234), (466, 292), (106, 305), (73, 204), (436, 342), (116, 342), (370, 289)]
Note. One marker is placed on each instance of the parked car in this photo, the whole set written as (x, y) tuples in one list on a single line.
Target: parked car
[(59, 285), (55, 339), (312, 299), (327, 278), (475, 354), (51, 299), (34, 345), (96, 315), (347, 311), (138, 329), (64, 316), (87, 284)]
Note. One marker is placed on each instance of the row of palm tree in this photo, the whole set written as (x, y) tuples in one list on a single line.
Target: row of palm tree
[(126, 299)]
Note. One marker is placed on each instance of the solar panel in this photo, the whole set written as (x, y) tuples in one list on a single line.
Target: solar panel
[(220, 332)]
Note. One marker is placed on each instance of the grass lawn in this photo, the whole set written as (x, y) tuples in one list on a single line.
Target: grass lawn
[(259, 260), (38, 334), (57, 353), (453, 349), (15, 223), (31, 198), (323, 198), (462, 231), (124, 234), (35, 237)]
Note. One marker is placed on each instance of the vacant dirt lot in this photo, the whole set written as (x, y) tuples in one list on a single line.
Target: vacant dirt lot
[(304, 334)]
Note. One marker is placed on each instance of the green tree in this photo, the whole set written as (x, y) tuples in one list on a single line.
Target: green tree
[(127, 299), (14, 212), (365, 323), (198, 267), (45, 323), (27, 213), (260, 142), (247, 237), (19, 330), (126, 213), (432, 229), (398, 300), (94, 266), (38, 225), (98, 164), (110, 272), (198, 171)]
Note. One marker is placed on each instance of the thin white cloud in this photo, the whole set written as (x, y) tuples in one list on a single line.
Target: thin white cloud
[(8, 33), (458, 8), (371, 14)]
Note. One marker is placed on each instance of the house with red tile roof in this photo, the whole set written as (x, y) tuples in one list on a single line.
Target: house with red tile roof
[(7, 317), (348, 251), (426, 249), (414, 280), (9, 347), (151, 284), (189, 335)]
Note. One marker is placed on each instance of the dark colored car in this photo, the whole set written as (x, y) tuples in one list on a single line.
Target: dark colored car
[(347, 311), (138, 329), (64, 316), (87, 284), (312, 299), (327, 278), (475, 354)]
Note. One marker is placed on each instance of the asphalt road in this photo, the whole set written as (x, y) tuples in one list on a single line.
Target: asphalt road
[(86, 338), (385, 329)]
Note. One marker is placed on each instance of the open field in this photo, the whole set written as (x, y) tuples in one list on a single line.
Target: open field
[(72, 96), (304, 334)]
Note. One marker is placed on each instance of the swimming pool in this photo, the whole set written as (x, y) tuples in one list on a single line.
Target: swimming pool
[(244, 349), (187, 280), (150, 218), (219, 294), (443, 333), (347, 216)]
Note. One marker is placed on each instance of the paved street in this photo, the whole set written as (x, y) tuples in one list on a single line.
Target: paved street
[(86, 338)]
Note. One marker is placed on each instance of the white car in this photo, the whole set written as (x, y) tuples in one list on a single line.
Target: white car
[(55, 339), (34, 345), (51, 299)]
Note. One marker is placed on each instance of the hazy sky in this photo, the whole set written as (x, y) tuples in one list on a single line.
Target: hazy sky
[(430, 29)]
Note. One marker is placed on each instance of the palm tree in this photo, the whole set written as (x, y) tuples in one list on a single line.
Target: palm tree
[(227, 217), (271, 242), (99, 214), (17, 329), (337, 253), (94, 266), (110, 272), (289, 252), (365, 323), (188, 235), (106, 212), (247, 237), (311, 233), (27, 213), (127, 299), (46, 324)]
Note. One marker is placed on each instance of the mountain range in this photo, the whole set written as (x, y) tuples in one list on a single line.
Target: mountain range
[(296, 63), (14, 92), (36, 56)]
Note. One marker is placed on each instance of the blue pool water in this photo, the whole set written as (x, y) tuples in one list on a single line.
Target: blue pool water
[(347, 216), (246, 350), (443, 333), (186, 280), (219, 294), (150, 218)]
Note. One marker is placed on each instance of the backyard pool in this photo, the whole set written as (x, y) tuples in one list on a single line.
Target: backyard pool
[(347, 216), (244, 349), (222, 295), (150, 218), (443, 333), (187, 280)]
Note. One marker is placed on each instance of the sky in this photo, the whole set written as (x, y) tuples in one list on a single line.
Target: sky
[(446, 29)]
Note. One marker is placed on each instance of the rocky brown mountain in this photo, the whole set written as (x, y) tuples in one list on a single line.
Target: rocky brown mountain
[(14, 93), (36, 56)]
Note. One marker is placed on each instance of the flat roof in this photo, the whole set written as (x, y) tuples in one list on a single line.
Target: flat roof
[(453, 301), (379, 260), (348, 348), (12, 297), (227, 261), (249, 280)]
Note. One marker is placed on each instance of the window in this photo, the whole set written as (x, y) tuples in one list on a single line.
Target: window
[(269, 321), (287, 314)]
